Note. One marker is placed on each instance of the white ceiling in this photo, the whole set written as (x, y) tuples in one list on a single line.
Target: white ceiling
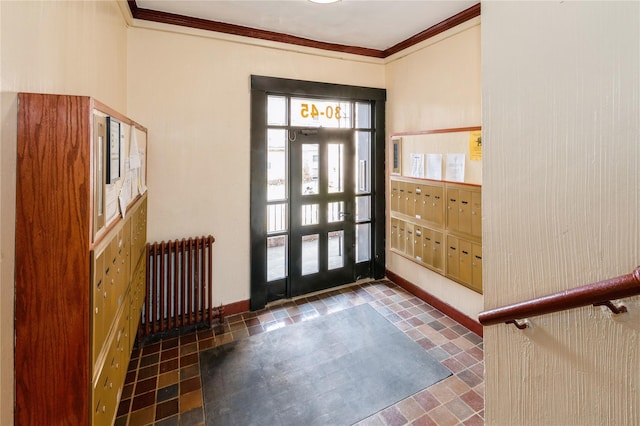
[(374, 24)]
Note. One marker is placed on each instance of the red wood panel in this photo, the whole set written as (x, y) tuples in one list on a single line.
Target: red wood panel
[(53, 213)]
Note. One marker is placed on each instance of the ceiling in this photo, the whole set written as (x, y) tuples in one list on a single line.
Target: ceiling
[(371, 24)]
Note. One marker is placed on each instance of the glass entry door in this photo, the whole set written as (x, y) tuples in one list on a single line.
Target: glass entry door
[(322, 202), (317, 187)]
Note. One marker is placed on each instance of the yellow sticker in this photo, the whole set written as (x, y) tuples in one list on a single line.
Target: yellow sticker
[(475, 145)]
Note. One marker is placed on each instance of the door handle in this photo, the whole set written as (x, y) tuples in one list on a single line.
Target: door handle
[(342, 214)]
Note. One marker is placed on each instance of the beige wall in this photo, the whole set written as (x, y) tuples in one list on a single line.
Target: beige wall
[(193, 93), (53, 47), (436, 85), (560, 205)]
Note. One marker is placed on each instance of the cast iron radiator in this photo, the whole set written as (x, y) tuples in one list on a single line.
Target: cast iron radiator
[(179, 286)]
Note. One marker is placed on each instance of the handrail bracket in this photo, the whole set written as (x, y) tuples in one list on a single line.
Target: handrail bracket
[(620, 309), (521, 324)]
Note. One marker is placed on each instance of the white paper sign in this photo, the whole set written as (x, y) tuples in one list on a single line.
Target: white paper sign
[(434, 166), (417, 165), (134, 153), (142, 183), (111, 202), (455, 167), (125, 192)]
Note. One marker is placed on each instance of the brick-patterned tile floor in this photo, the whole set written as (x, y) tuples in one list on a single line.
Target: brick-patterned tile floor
[(163, 381)]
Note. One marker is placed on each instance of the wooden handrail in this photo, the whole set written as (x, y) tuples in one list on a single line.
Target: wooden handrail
[(600, 293)]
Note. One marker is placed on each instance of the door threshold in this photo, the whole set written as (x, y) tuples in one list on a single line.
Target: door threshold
[(317, 293)]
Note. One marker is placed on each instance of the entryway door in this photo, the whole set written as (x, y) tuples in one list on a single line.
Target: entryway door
[(317, 187), (322, 202)]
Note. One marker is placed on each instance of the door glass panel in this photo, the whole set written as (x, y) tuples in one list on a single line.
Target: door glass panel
[(336, 249), (276, 257), (310, 168), (363, 242), (335, 168), (276, 218), (363, 209), (363, 161), (276, 110), (276, 164), (320, 113), (309, 255), (363, 116), (334, 211), (310, 214)]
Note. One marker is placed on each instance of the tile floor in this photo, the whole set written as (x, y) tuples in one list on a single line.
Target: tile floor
[(163, 380)]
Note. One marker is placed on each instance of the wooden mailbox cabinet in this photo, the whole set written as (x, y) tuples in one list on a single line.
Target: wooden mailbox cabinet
[(80, 264)]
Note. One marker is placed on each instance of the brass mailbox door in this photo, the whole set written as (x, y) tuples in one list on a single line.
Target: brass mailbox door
[(394, 233), (417, 242), (395, 193), (411, 199), (427, 247), (464, 211), (465, 263), (437, 205), (452, 209), (408, 244), (453, 257), (477, 267), (419, 197), (402, 197), (401, 234), (438, 250), (476, 213)]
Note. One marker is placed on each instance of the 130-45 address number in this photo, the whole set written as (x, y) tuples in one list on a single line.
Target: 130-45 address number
[(311, 110)]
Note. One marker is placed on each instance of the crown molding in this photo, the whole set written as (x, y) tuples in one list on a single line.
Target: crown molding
[(433, 31), (239, 30)]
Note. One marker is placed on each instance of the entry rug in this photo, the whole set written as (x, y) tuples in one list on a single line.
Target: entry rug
[(334, 370)]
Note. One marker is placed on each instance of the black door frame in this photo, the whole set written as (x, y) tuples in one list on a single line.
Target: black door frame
[(261, 87)]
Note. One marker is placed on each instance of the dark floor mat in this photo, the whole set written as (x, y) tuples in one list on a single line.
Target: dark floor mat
[(334, 370)]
